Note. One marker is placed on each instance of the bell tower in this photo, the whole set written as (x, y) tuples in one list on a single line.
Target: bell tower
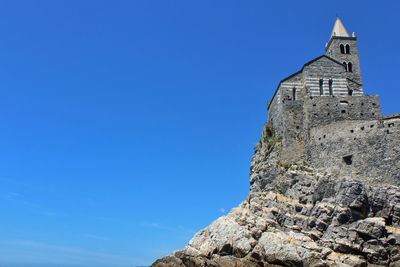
[(343, 47)]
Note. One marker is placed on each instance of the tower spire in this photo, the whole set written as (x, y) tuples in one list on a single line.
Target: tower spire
[(339, 29)]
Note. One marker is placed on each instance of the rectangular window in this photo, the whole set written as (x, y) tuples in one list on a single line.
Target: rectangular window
[(321, 87)]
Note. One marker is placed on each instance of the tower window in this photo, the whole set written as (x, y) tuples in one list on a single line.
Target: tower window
[(342, 48), (347, 49), (350, 91), (330, 87), (294, 93), (350, 67), (345, 66), (321, 86)]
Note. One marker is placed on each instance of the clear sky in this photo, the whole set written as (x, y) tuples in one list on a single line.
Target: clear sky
[(127, 126)]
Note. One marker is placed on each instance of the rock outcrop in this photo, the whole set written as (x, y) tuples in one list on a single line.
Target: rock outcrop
[(298, 215)]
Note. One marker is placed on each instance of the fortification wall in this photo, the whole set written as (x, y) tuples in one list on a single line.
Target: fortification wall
[(366, 149), (275, 111), (292, 135), (276, 108), (325, 110)]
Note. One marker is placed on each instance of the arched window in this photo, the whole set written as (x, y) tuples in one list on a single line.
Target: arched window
[(321, 86), (347, 49), (294, 93), (342, 48), (345, 66), (330, 87), (350, 91), (350, 67)]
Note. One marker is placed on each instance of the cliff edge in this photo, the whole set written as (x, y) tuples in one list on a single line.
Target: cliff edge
[(298, 215)]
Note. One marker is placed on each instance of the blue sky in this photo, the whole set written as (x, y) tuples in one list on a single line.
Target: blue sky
[(127, 126)]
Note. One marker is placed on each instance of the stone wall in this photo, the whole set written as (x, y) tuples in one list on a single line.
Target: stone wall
[(283, 95), (292, 136), (365, 149), (286, 88), (324, 67), (297, 121), (339, 86), (275, 112), (325, 110)]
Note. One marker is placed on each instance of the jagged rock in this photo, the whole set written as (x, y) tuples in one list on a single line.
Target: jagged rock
[(305, 218)]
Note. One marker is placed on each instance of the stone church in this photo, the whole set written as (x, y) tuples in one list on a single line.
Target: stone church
[(324, 177), (324, 118)]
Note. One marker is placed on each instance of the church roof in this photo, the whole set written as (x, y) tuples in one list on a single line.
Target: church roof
[(309, 63), (339, 29)]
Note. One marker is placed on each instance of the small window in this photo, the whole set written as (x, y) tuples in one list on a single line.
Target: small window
[(321, 86), (294, 93), (347, 49), (345, 66), (342, 49), (350, 91), (350, 67), (348, 159), (330, 87)]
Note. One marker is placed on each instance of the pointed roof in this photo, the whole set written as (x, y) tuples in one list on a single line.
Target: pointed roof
[(339, 29)]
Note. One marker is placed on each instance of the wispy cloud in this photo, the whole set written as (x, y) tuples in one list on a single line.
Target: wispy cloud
[(71, 250), (19, 198), (12, 196), (33, 207), (182, 231)]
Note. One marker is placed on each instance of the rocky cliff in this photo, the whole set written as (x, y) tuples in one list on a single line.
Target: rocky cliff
[(297, 215)]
